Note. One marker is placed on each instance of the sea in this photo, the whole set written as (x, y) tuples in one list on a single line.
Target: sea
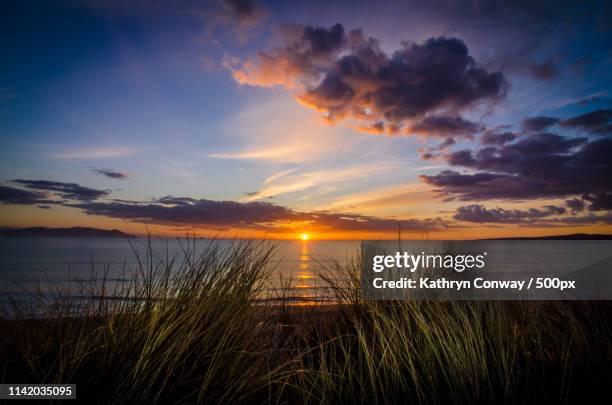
[(35, 266), (46, 267)]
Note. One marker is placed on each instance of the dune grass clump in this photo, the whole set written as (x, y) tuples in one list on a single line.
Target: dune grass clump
[(173, 332), (455, 351), (199, 331)]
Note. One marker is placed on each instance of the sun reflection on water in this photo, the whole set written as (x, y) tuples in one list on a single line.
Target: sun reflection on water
[(304, 274)]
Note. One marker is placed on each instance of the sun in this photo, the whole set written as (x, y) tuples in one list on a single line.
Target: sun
[(304, 236)]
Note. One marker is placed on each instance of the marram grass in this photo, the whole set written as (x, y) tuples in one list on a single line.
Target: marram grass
[(197, 331)]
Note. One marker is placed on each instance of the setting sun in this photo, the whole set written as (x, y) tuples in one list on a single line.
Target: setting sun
[(304, 236)]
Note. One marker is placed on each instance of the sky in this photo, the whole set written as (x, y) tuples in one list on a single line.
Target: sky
[(344, 120)]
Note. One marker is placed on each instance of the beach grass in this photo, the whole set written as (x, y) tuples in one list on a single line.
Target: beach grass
[(197, 330)]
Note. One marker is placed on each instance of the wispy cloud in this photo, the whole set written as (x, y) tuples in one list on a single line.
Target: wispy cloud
[(403, 196), (277, 130), (279, 175), (240, 16), (18, 196), (112, 174), (47, 192), (278, 154), (291, 181)]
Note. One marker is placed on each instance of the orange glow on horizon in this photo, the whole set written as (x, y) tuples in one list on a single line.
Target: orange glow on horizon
[(30, 216)]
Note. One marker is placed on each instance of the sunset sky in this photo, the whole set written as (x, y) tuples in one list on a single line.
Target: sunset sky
[(453, 119)]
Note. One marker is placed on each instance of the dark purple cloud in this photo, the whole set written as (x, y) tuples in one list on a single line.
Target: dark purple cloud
[(483, 186), (599, 201), (480, 214), (347, 76), (549, 215), (491, 137), (323, 42), (171, 210), (241, 8), (597, 122), (240, 16), (446, 126), (580, 220), (112, 174), (70, 191), (182, 210), (259, 215), (575, 204), (539, 123), (541, 165), (12, 195)]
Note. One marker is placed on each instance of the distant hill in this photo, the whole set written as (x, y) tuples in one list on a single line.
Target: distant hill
[(75, 232), (573, 236)]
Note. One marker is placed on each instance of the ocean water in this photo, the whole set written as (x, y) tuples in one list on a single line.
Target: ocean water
[(35, 265), (44, 265)]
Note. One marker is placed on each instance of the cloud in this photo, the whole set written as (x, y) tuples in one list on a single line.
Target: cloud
[(597, 122), (290, 181), (491, 137), (361, 223), (44, 193), (412, 197), (274, 129), (444, 126), (112, 174), (540, 165), (283, 153), (578, 220), (599, 201), (347, 77), (257, 215), (480, 214), (182, 210), (547, 216), (68, 191), (482, 186), (539, 123), (598, 98), (279, 175), (12, 195), (241, 16), (575, 204), (171, 210)]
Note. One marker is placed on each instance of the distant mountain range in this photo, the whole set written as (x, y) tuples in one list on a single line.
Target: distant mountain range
[(573, 236), (74, 232)]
